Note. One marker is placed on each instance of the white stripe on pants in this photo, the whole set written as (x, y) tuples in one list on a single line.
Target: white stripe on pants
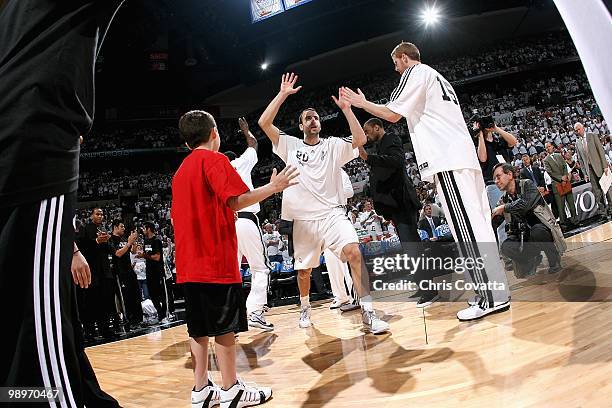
[(466, 206), (339, 277), (250, 245)]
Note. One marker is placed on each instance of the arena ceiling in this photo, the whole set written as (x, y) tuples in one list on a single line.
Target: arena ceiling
[(208, 52)]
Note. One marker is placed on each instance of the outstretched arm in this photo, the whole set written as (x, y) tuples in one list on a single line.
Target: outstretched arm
[(266, 121), (359, 137), (278, 182), (358, 100), (244, 128)]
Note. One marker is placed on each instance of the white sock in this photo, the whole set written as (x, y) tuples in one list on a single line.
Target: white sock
[(366, 303), (305, 301)]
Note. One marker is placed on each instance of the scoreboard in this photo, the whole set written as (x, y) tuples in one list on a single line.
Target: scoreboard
[(262, 9)]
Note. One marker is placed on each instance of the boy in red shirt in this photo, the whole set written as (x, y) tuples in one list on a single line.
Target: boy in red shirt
[(206, 190)]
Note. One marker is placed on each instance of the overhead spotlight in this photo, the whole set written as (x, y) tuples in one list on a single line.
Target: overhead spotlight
[(430, 15), (264, 66)]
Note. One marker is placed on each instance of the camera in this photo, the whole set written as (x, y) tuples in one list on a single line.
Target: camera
[(483, 122)]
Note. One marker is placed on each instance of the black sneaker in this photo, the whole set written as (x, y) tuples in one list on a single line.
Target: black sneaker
[(427, 299)]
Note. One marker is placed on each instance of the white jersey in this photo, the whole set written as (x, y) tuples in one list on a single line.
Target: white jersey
[(244, 166), (347, 187), (320, 186), (437, 129)]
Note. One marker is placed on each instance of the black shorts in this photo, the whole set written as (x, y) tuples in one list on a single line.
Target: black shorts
[(214, 309)]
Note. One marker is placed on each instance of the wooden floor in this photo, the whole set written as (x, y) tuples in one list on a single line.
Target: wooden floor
[(549, 353)]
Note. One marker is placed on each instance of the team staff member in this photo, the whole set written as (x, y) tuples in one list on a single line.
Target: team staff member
[(154, 255), (47, 68), (130, 291), (445, 152)]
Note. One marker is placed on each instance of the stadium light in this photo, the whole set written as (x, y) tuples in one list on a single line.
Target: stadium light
[(430, 15), (264, 66)]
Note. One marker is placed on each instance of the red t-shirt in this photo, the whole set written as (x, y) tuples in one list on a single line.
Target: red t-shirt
[(204, 226)]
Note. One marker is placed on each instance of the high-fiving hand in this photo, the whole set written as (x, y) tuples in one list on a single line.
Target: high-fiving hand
[(288, 84), (356, 99), (284, 179), (342, 102), (244, 126)]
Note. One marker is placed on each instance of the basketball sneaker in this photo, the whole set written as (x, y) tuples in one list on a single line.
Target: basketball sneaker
[(243, 395), (372, 323), (258, 320), (207, 397), (305, 317), (479, 311)]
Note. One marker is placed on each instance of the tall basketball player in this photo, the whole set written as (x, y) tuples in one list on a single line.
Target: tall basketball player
[(445, 152), (316, 203), (250, 241)]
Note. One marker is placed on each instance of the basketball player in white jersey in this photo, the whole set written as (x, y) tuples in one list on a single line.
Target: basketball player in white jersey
[(445, 152), (316, 205), (345, 297), (250, 242)]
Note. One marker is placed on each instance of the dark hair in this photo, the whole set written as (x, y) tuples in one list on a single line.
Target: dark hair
[(507, 168), (116, 223), (195, 127), (149, 225), (93, 210), (374, 122), (307, 110), (231, 155)]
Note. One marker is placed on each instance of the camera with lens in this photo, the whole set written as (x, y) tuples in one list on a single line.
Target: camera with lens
[(479, 123)]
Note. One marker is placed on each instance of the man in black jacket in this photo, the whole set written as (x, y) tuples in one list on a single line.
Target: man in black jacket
[(393, 193)]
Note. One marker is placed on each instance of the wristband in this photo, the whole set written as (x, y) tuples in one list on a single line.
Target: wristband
[(75, 252)]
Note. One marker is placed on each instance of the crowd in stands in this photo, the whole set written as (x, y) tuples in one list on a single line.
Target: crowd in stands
[(378, 86)]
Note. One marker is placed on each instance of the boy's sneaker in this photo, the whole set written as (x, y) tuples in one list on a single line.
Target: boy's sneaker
[(305, 317), (243, 395), (473, 301), (478, 311), (258, 320), (372, 323), (207, 397)]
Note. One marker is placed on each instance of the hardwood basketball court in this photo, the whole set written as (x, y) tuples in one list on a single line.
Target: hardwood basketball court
[(550, 353)]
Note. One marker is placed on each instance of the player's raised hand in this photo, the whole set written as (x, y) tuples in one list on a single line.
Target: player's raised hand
[(288, 84), (342, 102), (284, 179), (357, 99), (244, 126)]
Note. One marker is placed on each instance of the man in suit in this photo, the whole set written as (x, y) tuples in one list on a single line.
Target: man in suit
[(392, 191), (594, 165), (429, 223), (533, 173), (557, 170)]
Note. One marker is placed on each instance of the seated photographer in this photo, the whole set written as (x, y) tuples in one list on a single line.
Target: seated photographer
[(531, 225)]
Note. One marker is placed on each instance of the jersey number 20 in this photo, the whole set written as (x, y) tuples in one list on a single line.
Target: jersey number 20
[(447, 90)]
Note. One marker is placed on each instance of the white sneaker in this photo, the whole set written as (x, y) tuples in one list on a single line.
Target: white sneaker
[(207, 397), (165, 320), (477, 311), (372, 323), (243, 395), (305, 317), (258, 320), (474, 300), (337, 303)]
